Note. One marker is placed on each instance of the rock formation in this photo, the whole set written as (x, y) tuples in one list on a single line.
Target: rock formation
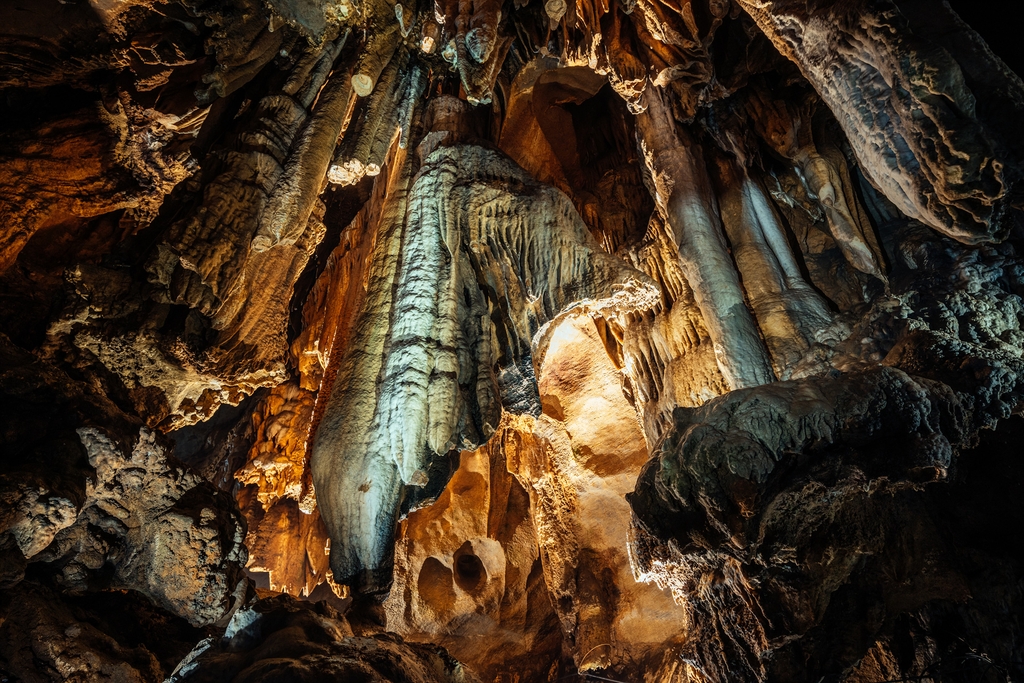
[(509, 341), (784, 492), (280, 638)]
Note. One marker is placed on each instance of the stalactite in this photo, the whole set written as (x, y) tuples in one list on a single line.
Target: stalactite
[(478, 48), (787, 129), (389, 111), (828, 269), (685, 359), (683, 194), (792, 317), (376, 54), (437, 367), (510, 391), (222, 82), (252, 321), (291, 201), (263, 194), (626, 73), (342, 447)]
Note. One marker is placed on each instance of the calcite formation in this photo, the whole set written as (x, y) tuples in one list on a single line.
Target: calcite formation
[(509, 341), (449, 333), (918, 90), (469, 574)]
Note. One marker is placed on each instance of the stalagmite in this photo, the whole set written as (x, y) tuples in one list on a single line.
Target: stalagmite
[(685, 200)]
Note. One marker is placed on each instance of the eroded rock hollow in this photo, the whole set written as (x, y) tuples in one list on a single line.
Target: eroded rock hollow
[(377, 340)]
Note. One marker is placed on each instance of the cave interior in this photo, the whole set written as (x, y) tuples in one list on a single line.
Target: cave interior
[(511, 341)]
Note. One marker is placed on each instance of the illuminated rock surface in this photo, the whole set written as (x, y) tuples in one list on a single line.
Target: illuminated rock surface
[(509, 342)]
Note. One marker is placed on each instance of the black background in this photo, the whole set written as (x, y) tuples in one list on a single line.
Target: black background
[(1000, 23)]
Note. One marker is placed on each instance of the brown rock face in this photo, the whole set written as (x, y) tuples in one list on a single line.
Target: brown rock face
[(171, 552), (124, 516), (509, 342), (469, 575), (918, 94), (127, 552), (788, 495), (281, 639), (585, 466)]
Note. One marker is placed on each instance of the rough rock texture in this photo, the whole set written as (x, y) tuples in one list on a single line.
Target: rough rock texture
[(528, 539), (578, 470), (131, 519), (125, 551), (899, 97), (280, 639), (146, 525), (70, 155), (469, 576), (208, 325), (632, 341), (460, 284), (777, 506), (46, 636), (286, 536)]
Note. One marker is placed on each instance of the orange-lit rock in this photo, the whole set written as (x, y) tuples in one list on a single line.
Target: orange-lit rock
[(468, 574), (483, 305), (289, 544), (667, 356), (277, 460), (582, 458), (286, 537), (545, 498)]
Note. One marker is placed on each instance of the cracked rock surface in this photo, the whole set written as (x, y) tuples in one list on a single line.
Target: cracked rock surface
[(473, 340)]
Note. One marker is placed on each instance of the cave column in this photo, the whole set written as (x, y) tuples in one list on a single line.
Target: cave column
[(683, 194), (789, 312), (787, 129)]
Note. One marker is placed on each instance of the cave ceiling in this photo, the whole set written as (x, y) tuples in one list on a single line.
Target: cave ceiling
[(503, 341)]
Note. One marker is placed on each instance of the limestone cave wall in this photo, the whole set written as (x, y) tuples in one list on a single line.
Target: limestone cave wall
[(508, 341)]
